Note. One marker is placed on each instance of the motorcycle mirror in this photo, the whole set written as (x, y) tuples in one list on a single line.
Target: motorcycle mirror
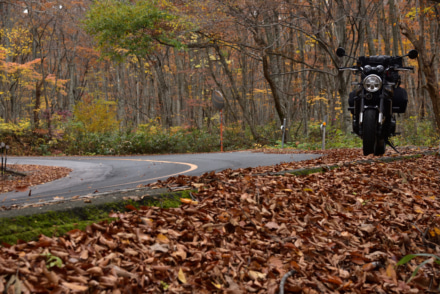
[(340, 52), (412, 54)]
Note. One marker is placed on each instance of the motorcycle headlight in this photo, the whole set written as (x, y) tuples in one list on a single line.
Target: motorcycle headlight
[(372, 83)]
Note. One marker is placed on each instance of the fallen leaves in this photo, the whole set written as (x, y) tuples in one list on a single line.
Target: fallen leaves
[(181, 276), (22, 188), (35, 175), (341, 231)]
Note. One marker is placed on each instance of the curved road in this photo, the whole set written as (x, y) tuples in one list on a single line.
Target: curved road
[(105, 174)]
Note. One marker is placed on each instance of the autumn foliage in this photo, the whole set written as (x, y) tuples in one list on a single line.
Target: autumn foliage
[(96, 116)]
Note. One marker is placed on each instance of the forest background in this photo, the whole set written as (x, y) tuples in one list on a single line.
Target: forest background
[(127, 77)]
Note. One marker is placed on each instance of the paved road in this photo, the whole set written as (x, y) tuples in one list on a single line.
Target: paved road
[(104, 174)]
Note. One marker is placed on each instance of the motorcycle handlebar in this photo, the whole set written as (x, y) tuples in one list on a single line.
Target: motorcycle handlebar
[(349, 68), (404, 68), (408, 68)]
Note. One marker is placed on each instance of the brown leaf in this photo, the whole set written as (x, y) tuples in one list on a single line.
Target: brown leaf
[(108, 243), (277, 263), (130, 207), (108, 281), (95, 271), (185, 200), (23, 188), (272, 225), (180, 253), (181, 276), (233, 286), (254, 275), (391, 272), (333, 279), (147, 221), (158, 247), (369, 228), (51, 276), (75, 287), (161, 238), (84, 254)]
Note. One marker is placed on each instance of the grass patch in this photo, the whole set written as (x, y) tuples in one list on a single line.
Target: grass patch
[(28, 228)]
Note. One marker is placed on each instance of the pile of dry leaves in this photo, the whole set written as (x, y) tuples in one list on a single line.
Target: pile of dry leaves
[(22, 176), (342, 231)]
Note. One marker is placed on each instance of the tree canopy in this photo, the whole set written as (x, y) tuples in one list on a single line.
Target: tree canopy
[(122, 27)]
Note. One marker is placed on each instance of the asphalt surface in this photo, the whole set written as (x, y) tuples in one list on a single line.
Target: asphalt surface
[(107, 175)]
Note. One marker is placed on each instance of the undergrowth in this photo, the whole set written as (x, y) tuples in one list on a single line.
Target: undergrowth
[(153, 139)]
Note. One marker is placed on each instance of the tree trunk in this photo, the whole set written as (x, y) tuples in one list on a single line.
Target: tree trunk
[(72, 73), (367, 28), (221, 87), (120, 94), (36, 109), (303, 93), (163, 91), (273, 86), (341, 79), (180, 78), (236, 94), (393, 20), (383, 29), (426, 63)]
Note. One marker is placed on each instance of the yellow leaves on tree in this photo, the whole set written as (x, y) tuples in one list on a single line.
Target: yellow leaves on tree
[(96, 116), (19, 40), (19, 43)]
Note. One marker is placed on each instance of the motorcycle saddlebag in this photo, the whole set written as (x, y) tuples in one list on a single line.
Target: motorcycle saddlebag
[(400, 100)]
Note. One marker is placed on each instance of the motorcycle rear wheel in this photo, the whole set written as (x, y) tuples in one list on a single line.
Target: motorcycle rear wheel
[(371, 141)]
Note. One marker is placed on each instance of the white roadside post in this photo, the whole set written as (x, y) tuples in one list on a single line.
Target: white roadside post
[(323, 134), (283, 129)]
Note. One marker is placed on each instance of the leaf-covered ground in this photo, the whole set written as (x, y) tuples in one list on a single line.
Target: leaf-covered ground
[(31, 175), (342, 231)]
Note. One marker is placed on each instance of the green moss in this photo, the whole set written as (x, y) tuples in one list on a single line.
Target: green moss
[(52, 223), (308, 171), (32, 232), (312, 170)]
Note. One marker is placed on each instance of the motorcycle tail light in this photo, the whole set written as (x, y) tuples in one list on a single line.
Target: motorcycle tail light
[(372, 83)]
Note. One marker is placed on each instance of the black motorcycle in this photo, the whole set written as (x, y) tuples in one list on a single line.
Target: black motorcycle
[(377, 98)]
